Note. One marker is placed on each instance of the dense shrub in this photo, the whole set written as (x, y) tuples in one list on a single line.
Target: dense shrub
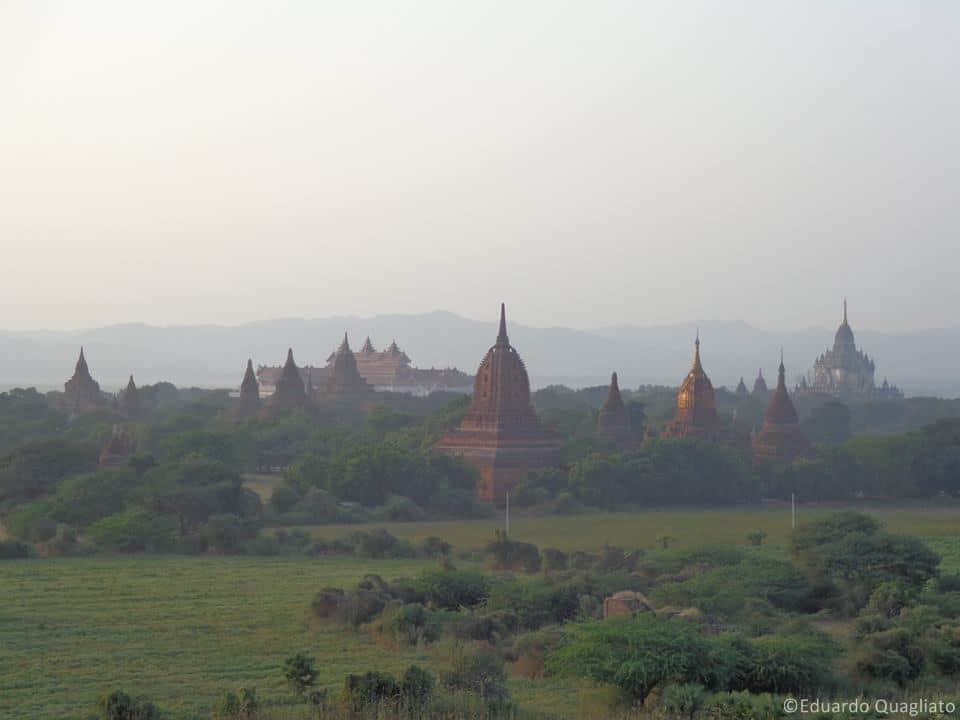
[(506, 554), (479, 671), (535, 602), (284, 498), (132, 531), (642, 653), (13, 549), (300, 672), (240, 705), (370, 689), (789, 663), (117, 705), (453, 589), (407, 625), (554, 560)]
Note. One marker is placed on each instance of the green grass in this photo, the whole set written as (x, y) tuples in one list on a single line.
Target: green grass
[(182, 630), (641, 529)]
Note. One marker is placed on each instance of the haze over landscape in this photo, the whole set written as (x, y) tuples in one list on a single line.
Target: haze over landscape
[(592, 165)]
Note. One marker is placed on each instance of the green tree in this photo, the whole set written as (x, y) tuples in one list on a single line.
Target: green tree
[(300, 671)]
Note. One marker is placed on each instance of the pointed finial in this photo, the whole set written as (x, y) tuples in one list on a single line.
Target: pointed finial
[(502, 335), (844, 311), (614, 381), (290, 356), (782, 369), (250, 364)]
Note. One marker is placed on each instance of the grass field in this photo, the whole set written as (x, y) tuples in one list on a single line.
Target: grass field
[(182, 630), (642, 529)]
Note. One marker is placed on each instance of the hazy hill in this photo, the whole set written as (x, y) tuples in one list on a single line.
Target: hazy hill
[(208, 355)]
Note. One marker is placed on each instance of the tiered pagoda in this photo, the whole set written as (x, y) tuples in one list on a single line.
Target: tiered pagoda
[(130, 405), (248, 405), (290, 393), (81, 393), (344, 382), (696, 414), (613, 420), (760, 385), (119, 448), (501, 434), (781, 437)]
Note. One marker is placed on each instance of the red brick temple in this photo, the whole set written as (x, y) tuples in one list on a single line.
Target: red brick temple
[(501, 434), (290, 393), (613, 420), (248, 404), (344, 382), (129, 401), (781, 437), (696, 414), (119, 448), (81, 392)]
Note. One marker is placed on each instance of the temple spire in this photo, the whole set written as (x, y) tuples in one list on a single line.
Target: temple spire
[(845, 312), (696, 350), (290, 362), (502, 335), (614, 383)]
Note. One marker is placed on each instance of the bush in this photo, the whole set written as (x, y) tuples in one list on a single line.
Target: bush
[(682, 701), (406, 625), (223, 533), (400, 509), (453, 589), (133, 531), (641, 653), (300, 672), (240, 705), (789, 664), (479, 671), (891, 655), (353, 608), (416, 686), (507, 554), (372, 688), (284, 498), (14, 549), (554, 560), (117, 705), (536, 602), (434, 547), (743, 706)]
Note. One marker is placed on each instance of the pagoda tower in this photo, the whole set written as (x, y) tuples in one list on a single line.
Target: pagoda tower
[(367, 348), (613, 420), (501, 434), (344, 382), (760, 385), (290, 393), (781, 437), (81, 392), (742, 391), (130, 404), (696, 413), (119, 448), (249, 403)]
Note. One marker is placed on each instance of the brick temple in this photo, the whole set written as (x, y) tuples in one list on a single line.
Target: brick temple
[(613, 420), (81, 393), (781, 437), (501, 434)]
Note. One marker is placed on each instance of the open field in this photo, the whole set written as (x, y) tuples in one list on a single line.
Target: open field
[(641, 529), (183, 629)]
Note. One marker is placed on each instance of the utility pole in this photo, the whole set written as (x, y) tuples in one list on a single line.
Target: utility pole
[(508, 513)]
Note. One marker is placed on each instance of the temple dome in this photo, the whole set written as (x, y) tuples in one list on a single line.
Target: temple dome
[(844, 336), (502, 384), (696, 391)]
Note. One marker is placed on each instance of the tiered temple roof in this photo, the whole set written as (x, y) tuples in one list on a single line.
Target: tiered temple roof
[(501, 434), (613, 420), (344, 382), (81, 392), (760, 385), (845, 371), (696, 413), (290, 393), (781, 437), (248, 404)]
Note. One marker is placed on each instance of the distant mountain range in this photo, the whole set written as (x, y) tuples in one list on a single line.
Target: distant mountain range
[(921, 363)]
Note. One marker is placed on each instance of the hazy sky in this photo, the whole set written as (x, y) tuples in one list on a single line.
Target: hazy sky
[(588, 162)]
